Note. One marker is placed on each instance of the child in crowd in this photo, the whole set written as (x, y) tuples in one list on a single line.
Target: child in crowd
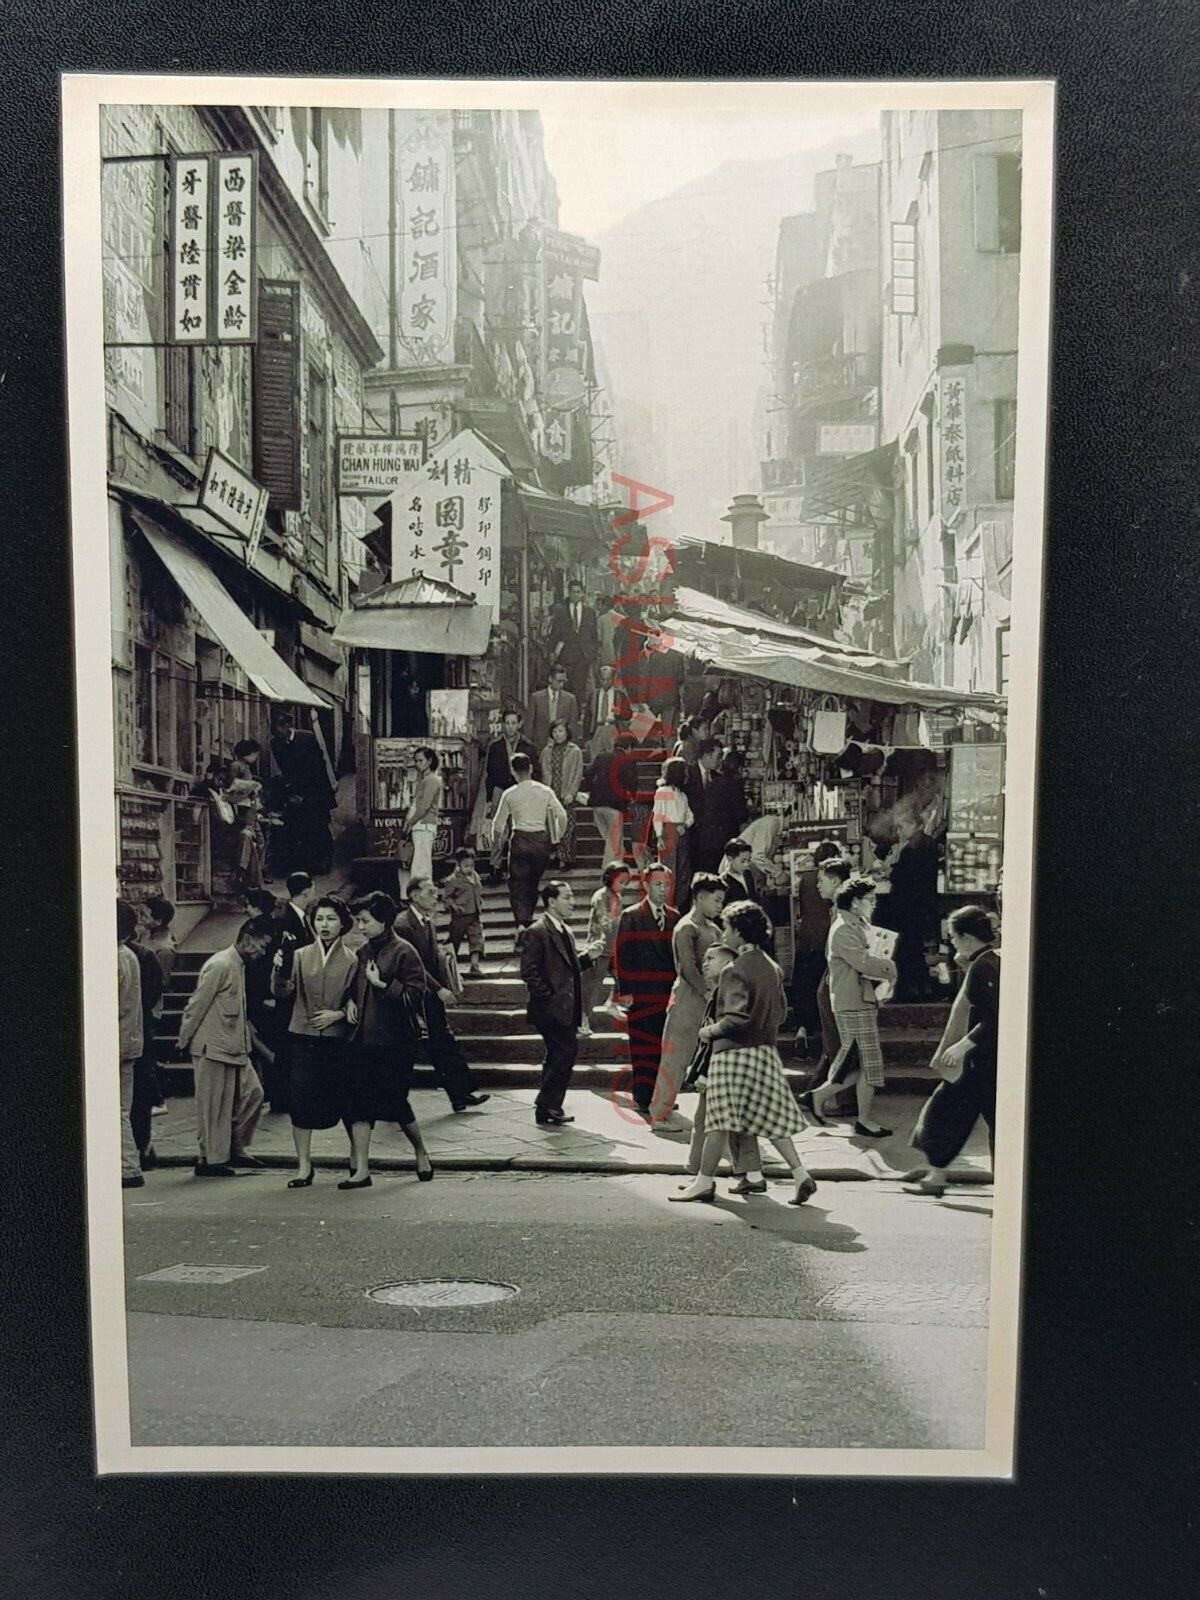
[(463, 892)]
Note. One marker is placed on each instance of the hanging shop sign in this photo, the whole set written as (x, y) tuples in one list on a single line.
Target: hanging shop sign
[(212, 209), (370, 464), (448, 525), (562, 385), (427, 258), (952, 433), (846, 438), (234, 498)]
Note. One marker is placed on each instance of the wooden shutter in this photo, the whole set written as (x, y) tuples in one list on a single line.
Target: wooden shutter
[(277, 393)]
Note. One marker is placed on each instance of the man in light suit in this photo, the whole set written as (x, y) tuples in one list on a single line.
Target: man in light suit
[(551, 968), (574, 639), (553, 704), (216, 1032)]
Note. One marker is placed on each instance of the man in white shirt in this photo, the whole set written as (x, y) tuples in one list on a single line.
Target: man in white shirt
[(602, 709), (534, 815)]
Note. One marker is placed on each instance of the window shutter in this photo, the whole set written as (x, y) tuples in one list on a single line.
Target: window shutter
[(277, 394), (987, 203)]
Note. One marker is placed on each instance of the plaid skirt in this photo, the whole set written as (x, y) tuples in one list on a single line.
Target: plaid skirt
[(748, 1093), (860, 1028)]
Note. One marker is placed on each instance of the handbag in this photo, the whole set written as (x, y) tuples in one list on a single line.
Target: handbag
[(405, 851), (829, 728)]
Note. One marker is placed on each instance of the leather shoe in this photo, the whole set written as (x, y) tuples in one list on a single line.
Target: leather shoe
[(864, 1132), (471, 1102), (133, 1180), (551, 1119), (744, 1186), (804, 1191)]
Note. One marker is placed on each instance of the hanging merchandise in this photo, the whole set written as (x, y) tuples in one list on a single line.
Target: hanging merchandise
[(829, 728), (906, 728)]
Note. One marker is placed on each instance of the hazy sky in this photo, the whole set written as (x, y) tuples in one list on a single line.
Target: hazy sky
[(607, 166)]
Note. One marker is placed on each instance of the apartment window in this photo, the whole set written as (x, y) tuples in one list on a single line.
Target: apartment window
[(904, 268), (1002, 659), (179, 397), (997, 185), (1005, 449), (316, 172), (164, 707), (318, 469)]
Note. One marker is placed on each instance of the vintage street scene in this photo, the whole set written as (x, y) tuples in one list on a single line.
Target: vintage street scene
[(561, 577)]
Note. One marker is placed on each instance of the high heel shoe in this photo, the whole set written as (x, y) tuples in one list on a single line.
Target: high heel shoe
[(425, 1174), (804, 1191), (705, 1197), (302, 1183), (356, 1183)]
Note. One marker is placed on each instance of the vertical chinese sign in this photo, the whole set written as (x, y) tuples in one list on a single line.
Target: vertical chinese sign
[(952, 428), (427, 256), (211, 281), (448, 527)]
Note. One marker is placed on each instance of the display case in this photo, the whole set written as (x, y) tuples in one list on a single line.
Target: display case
[(393, 772), (163, 848), (975, 820)]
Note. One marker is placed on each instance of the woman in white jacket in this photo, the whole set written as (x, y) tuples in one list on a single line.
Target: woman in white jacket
[(672, 819)]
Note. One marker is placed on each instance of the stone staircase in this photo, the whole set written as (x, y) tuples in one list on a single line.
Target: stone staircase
[(503, 1047)]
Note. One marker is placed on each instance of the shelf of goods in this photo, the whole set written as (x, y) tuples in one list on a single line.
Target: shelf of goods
[(163, 847), (975, 826), (394, 777)]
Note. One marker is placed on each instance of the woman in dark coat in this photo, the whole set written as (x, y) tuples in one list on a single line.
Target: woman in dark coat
[(966, 1057), (747, 1090), (322, 980), (386, 1008)]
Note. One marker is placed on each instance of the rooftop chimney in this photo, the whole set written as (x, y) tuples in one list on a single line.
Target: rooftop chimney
[(744, 516)]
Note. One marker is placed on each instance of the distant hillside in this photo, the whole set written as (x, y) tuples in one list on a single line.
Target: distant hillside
[(679, 309)]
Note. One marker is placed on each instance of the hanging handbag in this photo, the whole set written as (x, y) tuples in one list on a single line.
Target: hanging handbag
[(405, 851), (829, 728), (222, 807)]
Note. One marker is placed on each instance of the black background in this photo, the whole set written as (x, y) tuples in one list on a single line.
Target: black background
[(1106, 1455)]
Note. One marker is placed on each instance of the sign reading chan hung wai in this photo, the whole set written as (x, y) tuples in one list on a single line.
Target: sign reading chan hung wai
[(371, 464), (233, 497), (211, 248)]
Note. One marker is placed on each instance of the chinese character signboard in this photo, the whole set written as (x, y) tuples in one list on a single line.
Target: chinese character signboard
[(372, 464), (846, 438), (566, 261), (952, 429), (233, 497), (446, 524), (191, 264), (427, 263), (211, 243)]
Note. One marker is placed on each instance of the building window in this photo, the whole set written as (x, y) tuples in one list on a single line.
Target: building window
[(1006, 449), (316, 170), (318, 470), (164, 712), (179, 397), (997, 184), (904, 268), (1002, 660)]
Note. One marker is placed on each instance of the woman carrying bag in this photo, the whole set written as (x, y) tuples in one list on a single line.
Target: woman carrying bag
[(562, 766)]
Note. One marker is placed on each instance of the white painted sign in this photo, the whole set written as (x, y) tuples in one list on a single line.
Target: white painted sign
[(447, 525), (234, 498), (190, 276), (233, 202), (426, 241), (846, 438), (368, 464)]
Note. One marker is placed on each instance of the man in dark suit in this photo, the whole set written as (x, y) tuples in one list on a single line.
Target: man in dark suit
[(717, 805), (498, 773), (575, 639), (417, 926), (644, 964), (308, 796), (550, 969), (554, 703)]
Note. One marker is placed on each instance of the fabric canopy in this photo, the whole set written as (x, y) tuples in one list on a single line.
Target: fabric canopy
[(757, 654), (698, 607), (235, 632), (419, 614)]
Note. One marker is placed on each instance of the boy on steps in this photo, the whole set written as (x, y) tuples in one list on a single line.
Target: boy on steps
[(463, 891)]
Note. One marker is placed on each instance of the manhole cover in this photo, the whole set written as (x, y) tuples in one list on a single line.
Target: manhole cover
[(431, 1292), (185, 1274)]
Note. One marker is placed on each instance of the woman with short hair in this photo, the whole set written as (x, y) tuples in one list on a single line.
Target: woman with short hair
[(562, 768), (671, 818), (322, 980), (603, 915), (748, 1092), (421, 818), (853, 974)]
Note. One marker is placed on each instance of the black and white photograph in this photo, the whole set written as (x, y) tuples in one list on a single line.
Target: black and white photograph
[(558, 582)]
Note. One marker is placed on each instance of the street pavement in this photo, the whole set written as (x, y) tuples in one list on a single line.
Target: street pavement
[(858, 1319)]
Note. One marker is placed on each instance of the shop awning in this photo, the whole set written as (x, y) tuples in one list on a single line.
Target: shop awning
[(554, 516), (698, 607), (759, 653), (236, 633), (419, 614)]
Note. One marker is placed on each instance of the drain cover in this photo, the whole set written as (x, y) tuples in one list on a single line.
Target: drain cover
[(423, 1293), (186, 1274)]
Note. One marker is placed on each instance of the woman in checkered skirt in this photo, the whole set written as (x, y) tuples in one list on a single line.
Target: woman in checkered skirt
[(853, 974), (747, 1090)]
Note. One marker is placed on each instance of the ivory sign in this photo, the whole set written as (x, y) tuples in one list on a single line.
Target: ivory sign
[(371, 464)]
